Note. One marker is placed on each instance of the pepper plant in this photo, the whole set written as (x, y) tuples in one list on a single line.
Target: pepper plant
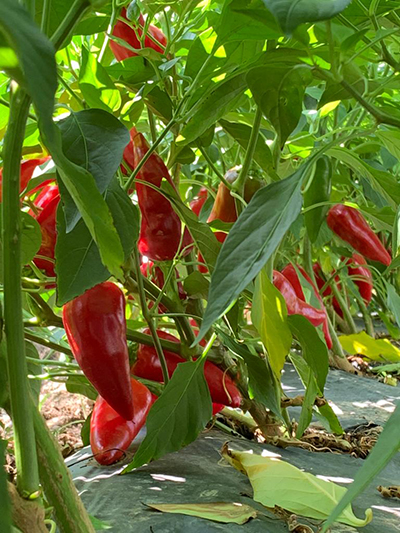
[(197, 192)]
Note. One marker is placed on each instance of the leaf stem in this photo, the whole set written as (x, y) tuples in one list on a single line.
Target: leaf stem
[(24, 437)]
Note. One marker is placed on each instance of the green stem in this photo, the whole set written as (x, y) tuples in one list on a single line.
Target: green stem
[(241, 180), (142, 338), (307, 257), (369, 327), (24, 437), (74, 14), (109, 30), (336, 346), (214, 168), (49, 344), (148, 318), (152, 124), (71, 515), (344, 308), (44, 25)]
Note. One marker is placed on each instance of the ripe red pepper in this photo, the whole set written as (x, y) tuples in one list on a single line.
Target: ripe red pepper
[(110, 433), (148, 366), (124, 31), (197, 204), (294, 305), (328, 291), (96, 330), (224, 209), (291, 275), (160, 231), (349, 224), (47, 200), (362, 276)]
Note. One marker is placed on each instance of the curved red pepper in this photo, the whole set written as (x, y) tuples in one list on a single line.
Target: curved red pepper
[(291, 275), (294, 305), (96, 329), (160, 231), (351, 226), (148, 366), (27, 169), (110, 433), (123, 31), (197, 204), (47, 200), (362, 276), (328, 291)]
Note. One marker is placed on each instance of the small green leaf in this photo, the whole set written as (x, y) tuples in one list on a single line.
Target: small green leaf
[(292, 13), (85, 431), (178, 416), (251, 242), (80, 385), (308, 404), (314, 348), (31, 238), (227, 513), (269, 315)]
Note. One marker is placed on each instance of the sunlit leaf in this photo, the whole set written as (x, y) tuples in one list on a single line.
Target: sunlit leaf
[(227, 513), (374, 349)]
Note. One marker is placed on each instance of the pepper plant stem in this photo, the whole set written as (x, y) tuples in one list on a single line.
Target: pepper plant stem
[(24, 437), (148, 318), (344, 307)]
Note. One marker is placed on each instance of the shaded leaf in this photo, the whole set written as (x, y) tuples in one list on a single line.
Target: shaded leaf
[(227, 513), (269, 315), (78, 384), (374, 349), (253, 239), (276, 482), (178, 416), (5, 509)]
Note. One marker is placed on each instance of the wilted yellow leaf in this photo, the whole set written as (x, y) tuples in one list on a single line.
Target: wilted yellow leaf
[(375, 349), (227, 513), (276, 482)]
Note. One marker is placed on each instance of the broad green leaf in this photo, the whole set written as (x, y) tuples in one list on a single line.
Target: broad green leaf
[(222, 97), (177, 417), (202, 235), (386, 447), (269, 315), (196, 285), (314, 348), (134, 70), (262, 154), (91, 24), (391, 140), (263, 384), (78, 384), (251, 242), (78, 262), (318, 191), (36, 56), (227, 513), (374, 349), (292, 13), (276, 482), (239, 23), (199, 53), (85, 431), (31, 238), (382, 182), (95, 84), (281, 98), (312, 391), (5, 509), (393, 301)]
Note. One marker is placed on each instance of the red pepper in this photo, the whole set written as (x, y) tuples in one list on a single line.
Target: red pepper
[(328, 291), (349, 224), (362, 276), (110, 433), (96, 329), (47, 200), (224, 209), (197, 204), (160, 231), (291, 275), (132, 36), (27, 170), (294, 305), (148, 366)]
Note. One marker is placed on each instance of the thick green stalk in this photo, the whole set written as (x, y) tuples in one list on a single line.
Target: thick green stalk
[(74, 14), (71, 515), (45, 342), (344, 307), (24, 438)]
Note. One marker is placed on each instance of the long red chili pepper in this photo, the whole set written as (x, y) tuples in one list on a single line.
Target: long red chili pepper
[(96, 329), (47, 201), (349, 224), (110, 433), (131, 36), (197, 204), (357, 267), (147, 365), (290, 274), (160, 231), (294, 305)]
